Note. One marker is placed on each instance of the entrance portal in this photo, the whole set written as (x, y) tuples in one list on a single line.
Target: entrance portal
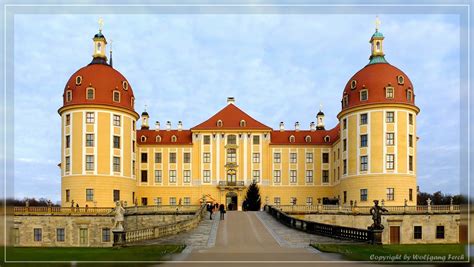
[(231, 201)]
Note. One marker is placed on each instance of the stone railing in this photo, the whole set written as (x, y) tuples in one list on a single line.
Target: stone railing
[(161, 230), (227, 183), (166, 209), (61, 210), (309, 209), (335, 231)]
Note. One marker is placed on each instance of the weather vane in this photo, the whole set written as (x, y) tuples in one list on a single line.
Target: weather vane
[(101, 24), (377, 23)]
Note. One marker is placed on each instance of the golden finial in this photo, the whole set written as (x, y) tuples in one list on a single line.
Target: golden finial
[(101, 24), (377, 23), (320, 106)]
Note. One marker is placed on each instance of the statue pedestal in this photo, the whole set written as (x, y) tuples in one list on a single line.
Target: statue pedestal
[(376, 237), (119, 237)]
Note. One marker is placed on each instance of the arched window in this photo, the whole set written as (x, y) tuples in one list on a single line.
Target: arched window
[(219, 123), (158, 139), (345, 101), (90, 93), (409, 95), (98, 47), (243, 123), (292, 138), (116, 96), (389, 92), (68, 96), (132, 100), (231, 139), (78, 80), (143, 138), (308, 139), (174, 139), (364, 95), (327, 139), (125, 85), (378, 45)]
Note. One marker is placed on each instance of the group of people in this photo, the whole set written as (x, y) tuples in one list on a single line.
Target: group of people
[(211, 208)]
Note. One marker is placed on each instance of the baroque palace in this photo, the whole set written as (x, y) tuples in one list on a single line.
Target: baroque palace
[(370, 154)]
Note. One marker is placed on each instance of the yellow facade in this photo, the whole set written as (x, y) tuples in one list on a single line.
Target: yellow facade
[(373, 154), (275, 189)]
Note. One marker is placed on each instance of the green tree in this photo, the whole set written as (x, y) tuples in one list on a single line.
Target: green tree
[(252, 199)]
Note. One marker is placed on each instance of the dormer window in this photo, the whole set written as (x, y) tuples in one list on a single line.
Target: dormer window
[(174, 139), (364, 95), (125, 85), (292, 138), (158, 139), (90, 93), (143, 138), (400, 79), (389, 92), (116, 96), (345, 101), (308, 139), (409, 95), (78, 80), (219, 123), (327, 139), (353, 84), (68, 96), (243, 123)]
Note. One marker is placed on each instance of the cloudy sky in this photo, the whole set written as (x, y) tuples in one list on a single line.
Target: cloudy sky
[(278, 67)]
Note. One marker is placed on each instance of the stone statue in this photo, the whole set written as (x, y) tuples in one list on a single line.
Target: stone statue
[(119, 212), (376, 212)]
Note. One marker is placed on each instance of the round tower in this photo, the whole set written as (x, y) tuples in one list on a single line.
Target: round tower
[(98, 135), (378, 134)]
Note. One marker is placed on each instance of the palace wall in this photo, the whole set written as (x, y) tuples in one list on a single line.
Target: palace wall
[(405, 222)]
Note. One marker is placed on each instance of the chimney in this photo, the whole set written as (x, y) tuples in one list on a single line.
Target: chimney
[(157, 126), (282, 126), (297, 126), (180, 125), (312, 126), (230, 100), (168, 125)]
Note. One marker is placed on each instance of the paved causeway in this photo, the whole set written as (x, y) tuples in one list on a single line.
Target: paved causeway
[(246, 236), (249, 238)]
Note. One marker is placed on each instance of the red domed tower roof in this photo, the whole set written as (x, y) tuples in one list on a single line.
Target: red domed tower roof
[(99, 83), (378, 82)]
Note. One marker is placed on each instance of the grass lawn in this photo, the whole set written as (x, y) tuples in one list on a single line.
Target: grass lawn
[(416, 252), (138, 253)]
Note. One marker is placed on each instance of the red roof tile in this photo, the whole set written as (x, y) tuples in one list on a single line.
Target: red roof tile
[(231, 116), (184, 137), (317, 137), (374, 78), (104, 79)]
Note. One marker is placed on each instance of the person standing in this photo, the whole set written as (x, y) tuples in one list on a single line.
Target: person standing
[(209, 208), (222, 211)]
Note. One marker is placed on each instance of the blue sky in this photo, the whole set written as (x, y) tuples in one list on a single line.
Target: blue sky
[(278, 67)]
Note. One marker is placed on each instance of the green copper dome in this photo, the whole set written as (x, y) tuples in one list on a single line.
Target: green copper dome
[(377, 59), (377, 34)]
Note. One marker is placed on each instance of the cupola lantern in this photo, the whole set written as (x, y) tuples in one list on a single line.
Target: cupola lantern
[(376, 41), (99, 43)]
